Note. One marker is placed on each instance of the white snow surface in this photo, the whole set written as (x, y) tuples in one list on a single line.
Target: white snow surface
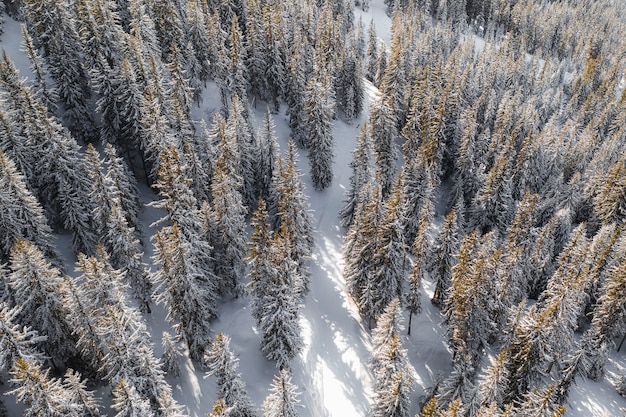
[(332, 371)]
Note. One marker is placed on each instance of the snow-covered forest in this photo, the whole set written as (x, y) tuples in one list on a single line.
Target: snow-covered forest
[(281, 208)]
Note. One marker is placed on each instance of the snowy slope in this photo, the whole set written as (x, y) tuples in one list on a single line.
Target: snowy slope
[(332, 371)]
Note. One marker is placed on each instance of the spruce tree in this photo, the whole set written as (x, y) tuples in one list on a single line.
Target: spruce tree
[(280, 326), (267, 164), (35, 287), (384, 133), (283, 398), (389, 260), (445, 251), (317, 129), (361, 174), (295, 221), (260, 260), (418, 271), (223, 364), (21, 216)]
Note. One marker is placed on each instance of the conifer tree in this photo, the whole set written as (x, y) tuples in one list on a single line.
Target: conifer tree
[(283, 398), (17, 343), (418, 271), (384, 132), (35, 287), (295, 220), (223, 364), (128, 403), (389, 259), (229, 214), (390, 365), (171, 355), (260, 260), (267, 164), (445, 251), (417, 190), (360, 243), (21, 216), (317, 129), (280, 325), (187, 293), (274, 54), (53, 29), (297, 82), (85, 401), (371, 55), (169, 27), (361, 174), (46, 93), (239, 131), (43, 395)]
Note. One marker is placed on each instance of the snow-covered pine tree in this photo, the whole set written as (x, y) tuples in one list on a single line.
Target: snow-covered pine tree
[(295, 221), (35, 287), (417, 191), (21, 216), (128, 403), (42, 395), (444, 257), (224, 366), (84, 401), (127, 256), (53, 28), (17, 343), (421, 248), (389, 261), (260, 260), (187, 293), (240, 132), (360, 244), (296, 85), (280, 325), (274, 54), (283, 398), (47, 94), (230, 221), (317, 129), (371, 54), (267, 165), (361, 165), (383, 127), (171, 355), (392, 371)]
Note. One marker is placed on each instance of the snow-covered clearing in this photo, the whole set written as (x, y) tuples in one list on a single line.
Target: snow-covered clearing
[(332, 371)]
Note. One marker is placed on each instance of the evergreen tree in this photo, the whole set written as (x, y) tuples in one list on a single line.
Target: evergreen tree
[(53, 29), (223, 364), (445, 251), (361, 174), (297, 82), (384, 132), (47, 94), (388, 263), (187, 293), (371, 55), (260, 260), (417, 190), (239, 131), (125, 188), (295, 221), (360, 244), (171, 355), (280, 326), (128, 403), (17, 343), (21, 216), (85, 401), (317, 129), (283, 398), (274, 54), (35, 287), (267, 164), (394, 399), (418, 271)]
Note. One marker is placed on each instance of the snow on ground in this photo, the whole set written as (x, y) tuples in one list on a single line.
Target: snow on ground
[(332, 371)]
